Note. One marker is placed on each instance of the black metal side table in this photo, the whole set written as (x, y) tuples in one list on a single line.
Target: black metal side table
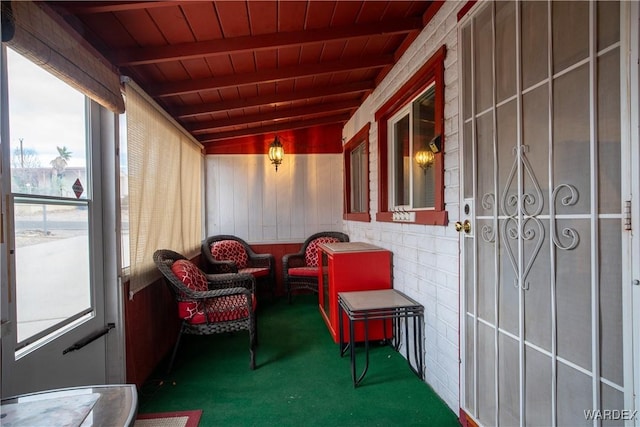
[(381, 304)]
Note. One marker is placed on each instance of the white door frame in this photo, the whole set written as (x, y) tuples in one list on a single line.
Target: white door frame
[(21, 375)]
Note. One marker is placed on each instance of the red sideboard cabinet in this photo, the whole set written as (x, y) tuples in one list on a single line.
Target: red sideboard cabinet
[(352, 266)]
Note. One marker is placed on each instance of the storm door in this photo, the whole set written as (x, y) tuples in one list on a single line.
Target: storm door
[(544, 247)]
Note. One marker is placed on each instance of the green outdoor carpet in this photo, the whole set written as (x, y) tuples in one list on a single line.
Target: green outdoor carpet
[(300, 379)]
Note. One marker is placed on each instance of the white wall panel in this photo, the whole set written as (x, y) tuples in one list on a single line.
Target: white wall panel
[(285, 202), (298, 193), (255, 171), (246, 197)]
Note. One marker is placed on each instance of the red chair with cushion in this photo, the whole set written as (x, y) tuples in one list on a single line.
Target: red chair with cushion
[(230, 254), (209, 304), (300, 270)]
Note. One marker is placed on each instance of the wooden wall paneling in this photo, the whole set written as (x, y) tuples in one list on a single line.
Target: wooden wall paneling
[(270, 204), (241, 214), (312, 182), (212, 195), (257, 168), (248, 198), (337, 190), (299, 173), (284, 199), (152, 328), (226, 219), (326, 191)]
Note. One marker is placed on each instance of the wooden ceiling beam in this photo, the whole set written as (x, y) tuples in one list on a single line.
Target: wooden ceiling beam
[(212, 137), (267, 76), (273, 99), (88, 8), (178, 52), (289, 113)]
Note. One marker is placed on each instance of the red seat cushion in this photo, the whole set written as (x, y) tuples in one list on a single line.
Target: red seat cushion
[(193, 278), (304, 271), (220, 309), (230, 250), (311, 253), (255, 271), (223, 309)]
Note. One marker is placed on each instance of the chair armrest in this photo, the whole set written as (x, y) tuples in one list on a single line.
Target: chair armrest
[(292, 261), (231, 280), (216, 293), (261, 260), (220, 267)]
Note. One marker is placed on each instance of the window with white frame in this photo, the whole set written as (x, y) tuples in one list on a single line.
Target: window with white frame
[(356, 166), (411, 178), (411, 148), (359, 176)]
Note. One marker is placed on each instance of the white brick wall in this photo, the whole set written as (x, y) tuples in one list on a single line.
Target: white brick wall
[(425, 258)]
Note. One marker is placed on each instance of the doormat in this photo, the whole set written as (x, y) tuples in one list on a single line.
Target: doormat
[(169, 419)]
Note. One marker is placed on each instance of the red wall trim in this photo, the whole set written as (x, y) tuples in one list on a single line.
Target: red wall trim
[(466, 420), (419, 81), (361, 136), (466, 8), (314, 140)]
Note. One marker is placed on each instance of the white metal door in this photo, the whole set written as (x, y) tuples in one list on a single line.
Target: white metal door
[(546, 259), (52, 272)]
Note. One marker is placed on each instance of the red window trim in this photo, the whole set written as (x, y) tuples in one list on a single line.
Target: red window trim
[(431, 71), (466, 8), (362, 136)]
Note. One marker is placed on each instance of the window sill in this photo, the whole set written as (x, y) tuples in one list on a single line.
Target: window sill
[(422, 217), (361, 216)]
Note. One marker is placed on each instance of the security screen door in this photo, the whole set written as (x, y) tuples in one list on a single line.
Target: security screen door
[(545, 252)]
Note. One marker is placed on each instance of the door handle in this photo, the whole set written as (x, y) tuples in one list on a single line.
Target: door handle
[(90, 338), (463, 226)]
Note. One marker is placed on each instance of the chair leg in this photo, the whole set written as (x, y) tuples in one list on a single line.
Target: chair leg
[(175, 348), (253, 339), (255, 328)]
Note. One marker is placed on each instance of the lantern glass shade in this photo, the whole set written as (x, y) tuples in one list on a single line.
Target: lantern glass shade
[(276, 152), (425, 158)]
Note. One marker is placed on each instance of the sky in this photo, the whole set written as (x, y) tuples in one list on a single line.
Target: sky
[(45, 112)]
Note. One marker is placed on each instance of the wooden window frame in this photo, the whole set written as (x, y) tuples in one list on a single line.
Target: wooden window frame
[(431, 71), (362, 137)]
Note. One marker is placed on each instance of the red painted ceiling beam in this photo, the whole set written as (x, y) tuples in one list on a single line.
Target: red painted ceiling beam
[(289, 113), (273, 100), (267, 76), (338, 118), (87, 8), (182, 51)]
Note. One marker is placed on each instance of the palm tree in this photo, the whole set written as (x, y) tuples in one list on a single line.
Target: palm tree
[(60, 163)]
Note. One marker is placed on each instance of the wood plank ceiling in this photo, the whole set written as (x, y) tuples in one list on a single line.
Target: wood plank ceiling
[(230, 69)]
